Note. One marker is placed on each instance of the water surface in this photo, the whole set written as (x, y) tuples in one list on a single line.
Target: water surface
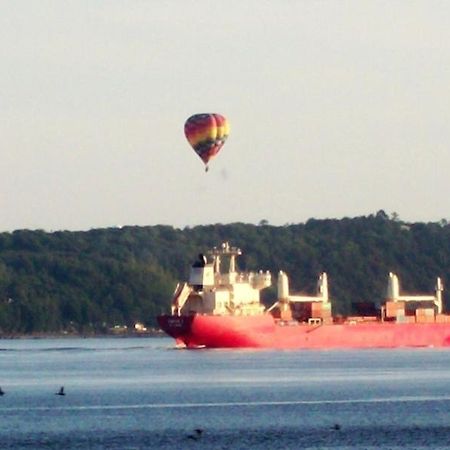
[(140, 393)]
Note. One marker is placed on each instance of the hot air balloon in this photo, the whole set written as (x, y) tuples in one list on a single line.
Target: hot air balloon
[(206, 133)]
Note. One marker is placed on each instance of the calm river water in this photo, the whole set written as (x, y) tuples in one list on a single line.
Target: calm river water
[(141, 393)]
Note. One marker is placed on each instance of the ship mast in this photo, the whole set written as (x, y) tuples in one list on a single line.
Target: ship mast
[(225, 250)]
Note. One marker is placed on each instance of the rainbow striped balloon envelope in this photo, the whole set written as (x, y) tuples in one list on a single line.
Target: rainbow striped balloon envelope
[(206, 133)]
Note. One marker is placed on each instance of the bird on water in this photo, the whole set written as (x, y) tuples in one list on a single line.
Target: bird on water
[(197, 435), (1, 392), (61, 391)]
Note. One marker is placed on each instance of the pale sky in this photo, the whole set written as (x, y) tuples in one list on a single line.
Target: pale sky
[(337, 109)]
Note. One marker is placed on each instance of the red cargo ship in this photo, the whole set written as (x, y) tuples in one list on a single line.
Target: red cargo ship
[(223, 310)]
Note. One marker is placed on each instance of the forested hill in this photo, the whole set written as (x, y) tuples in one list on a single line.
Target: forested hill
[(90, 281)]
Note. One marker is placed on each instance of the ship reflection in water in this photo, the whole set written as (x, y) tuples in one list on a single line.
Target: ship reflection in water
[(222, 309)]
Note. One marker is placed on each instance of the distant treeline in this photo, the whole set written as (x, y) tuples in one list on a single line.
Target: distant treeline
[(91, 281)]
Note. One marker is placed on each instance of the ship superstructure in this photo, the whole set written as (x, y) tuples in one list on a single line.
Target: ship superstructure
[(209, 291)]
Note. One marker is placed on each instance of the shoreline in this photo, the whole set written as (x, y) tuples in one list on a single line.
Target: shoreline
[(148, 334)]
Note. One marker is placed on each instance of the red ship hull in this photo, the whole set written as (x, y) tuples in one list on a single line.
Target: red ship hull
[(263, 331)]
